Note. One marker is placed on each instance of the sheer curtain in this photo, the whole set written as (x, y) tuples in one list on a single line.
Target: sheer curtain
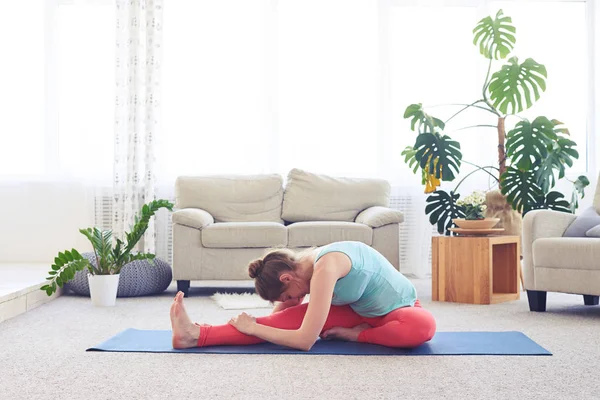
[(138, 63)]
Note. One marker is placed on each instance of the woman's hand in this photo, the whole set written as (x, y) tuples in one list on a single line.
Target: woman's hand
[(244, 323)]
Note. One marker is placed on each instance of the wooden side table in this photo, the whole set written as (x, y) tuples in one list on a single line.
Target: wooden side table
[(475, 269)]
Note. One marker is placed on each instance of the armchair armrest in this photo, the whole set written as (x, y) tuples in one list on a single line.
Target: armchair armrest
[(193, 217), (540, 224), (376, 217)]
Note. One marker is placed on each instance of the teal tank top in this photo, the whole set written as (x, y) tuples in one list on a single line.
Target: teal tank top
[(373, 287)]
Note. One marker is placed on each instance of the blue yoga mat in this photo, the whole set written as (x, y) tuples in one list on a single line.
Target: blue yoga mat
[(444, 343)]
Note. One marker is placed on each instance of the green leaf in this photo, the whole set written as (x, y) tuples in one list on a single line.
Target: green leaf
[(54, 266), (520, 188), (553, 201), (560, 153), (49, 292), (578, 190), (440, 155), (424, 122), (52, 273), (76, 254), (495, 37), (560, 127), (57, 263), (442, 209), (515, 84), (529, 142), (69, 256), (409, 158), (58, 281), (62, 257)]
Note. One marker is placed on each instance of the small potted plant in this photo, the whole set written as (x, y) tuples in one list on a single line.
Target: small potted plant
[(474, 208), (104, 276)]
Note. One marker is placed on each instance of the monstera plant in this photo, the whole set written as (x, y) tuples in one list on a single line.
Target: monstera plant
[(532, 155)]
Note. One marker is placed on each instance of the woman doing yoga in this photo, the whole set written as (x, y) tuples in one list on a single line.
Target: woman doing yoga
[(355, 295)]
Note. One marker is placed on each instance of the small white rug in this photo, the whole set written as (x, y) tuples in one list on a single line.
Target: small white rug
[(240, 301)]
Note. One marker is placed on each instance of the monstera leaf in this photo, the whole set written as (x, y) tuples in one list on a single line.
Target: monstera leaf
[(578, 189), (553, 201), (439, 155), (442, 209), (515, 83), (423, 121), (529, 142), (409, 158), (559, 153), (520, 187), (495, 37)]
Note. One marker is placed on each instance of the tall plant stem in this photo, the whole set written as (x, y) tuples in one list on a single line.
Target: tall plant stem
[(463, 109), (477, 166), (463, 104), (486, 83), (484, 169), (501, 150)]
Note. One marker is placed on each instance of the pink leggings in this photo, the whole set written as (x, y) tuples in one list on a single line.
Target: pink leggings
[(402, 327)]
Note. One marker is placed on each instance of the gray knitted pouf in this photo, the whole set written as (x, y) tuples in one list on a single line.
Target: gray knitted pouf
[(138, 278)]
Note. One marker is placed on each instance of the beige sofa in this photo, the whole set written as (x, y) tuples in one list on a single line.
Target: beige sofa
[(221, 223), (553, 263)]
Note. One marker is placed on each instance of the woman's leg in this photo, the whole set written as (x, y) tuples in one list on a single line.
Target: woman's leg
[(404, 327), (290, 318)]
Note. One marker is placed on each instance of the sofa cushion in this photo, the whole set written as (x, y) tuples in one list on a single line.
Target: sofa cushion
[(192, 217), (312, 197), (319, 233), (244, 234), (232, 198), (594, 232), (377, 217), (567, 253), (597, 196), (583, 223)]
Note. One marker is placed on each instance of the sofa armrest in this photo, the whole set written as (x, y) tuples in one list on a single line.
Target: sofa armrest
[(376, 217), (540, 224), (193, 217)]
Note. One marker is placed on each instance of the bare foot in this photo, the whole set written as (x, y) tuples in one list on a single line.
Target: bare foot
[(348, 334), (185, 333)]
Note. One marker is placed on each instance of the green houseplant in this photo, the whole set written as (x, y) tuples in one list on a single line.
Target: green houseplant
[(532, 156), (109, 259)]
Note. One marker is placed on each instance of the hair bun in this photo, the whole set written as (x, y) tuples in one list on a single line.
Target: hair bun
[(255, 268)]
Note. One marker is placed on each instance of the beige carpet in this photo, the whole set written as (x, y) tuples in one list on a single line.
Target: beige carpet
[(42, 356)]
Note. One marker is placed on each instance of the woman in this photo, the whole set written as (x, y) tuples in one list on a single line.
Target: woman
[(355, 295)]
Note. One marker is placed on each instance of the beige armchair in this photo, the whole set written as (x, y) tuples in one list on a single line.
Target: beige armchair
[(221, 223), (553, 263)]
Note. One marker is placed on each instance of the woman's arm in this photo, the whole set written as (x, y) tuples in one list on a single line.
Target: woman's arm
[(321, 292)]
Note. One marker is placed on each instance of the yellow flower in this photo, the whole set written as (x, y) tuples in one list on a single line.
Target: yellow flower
[(432, 182)]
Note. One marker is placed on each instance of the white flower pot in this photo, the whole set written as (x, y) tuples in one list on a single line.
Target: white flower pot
[(103, 289)]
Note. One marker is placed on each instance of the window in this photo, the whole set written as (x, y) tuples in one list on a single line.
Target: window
[(85, 66), (22, 89)]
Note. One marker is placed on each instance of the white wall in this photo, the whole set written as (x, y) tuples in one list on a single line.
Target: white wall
[(39, 219)]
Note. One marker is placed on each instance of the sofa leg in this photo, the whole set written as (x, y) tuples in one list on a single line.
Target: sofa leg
[(183, 286), (537, 300), (589, 300)]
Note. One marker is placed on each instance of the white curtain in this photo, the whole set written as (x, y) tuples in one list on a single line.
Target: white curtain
[(138, 53)]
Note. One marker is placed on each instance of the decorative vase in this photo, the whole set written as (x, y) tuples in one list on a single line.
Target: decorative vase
[(497, 207), (103, 289)]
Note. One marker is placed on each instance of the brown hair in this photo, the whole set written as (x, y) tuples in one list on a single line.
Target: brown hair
[(266, 271)]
